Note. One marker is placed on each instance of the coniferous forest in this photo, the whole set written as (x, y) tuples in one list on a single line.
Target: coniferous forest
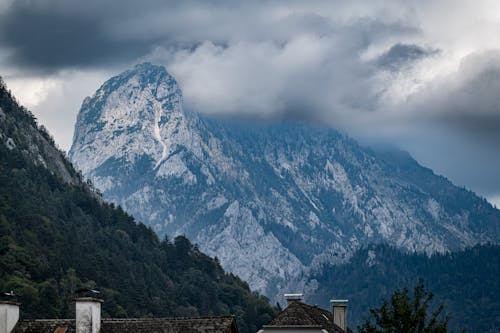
[(466, 283), (57, 235)]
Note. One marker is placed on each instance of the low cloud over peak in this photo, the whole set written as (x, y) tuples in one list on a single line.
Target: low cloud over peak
[(383, 70)]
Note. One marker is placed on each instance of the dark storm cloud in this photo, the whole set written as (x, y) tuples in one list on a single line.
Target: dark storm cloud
[(468, 101), (48, 38), (459, 115), (483, 127), (402, 54), (54, 34)]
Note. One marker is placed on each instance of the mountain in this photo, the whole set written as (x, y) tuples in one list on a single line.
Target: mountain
[(273, 201), (465, 282), (19, 133), (57, 235)]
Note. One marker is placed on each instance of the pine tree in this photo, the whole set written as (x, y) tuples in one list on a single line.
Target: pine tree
[(406, 314)]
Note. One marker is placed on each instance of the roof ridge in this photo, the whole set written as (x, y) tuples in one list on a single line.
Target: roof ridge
[(47, 319), (314, 307), (130, 319), (305, 325), (168, 318)]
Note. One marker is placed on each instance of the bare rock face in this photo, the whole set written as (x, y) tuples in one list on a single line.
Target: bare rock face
[(272, 201)]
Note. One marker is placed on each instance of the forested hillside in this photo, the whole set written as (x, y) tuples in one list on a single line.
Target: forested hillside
[(57, 235), (466, 282)]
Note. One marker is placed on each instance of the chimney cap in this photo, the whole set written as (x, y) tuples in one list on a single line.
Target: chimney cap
[(294, 295), (88, 299), (339, 301)]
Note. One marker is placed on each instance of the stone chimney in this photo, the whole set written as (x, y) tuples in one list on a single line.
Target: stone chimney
[(9, 315), (340, 313), (88, 314), (293, 298)]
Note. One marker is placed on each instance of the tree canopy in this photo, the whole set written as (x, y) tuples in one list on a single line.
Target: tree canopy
[(405, 313)]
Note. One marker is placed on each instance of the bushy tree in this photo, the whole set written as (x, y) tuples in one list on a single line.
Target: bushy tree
[(405, 313)]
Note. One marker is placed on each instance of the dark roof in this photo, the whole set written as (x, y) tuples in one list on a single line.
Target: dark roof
[(44, 325), (150, 325), (301, 314)]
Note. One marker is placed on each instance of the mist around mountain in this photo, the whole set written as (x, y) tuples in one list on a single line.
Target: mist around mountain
[(275, 202), (57, 235)]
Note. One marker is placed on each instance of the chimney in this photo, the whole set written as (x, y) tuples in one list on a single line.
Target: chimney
[(293, 298), (9, 315), (88, 314), (340, 313)]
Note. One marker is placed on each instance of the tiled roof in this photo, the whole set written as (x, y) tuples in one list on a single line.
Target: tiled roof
[(300, 314), (44, 326), (150, 325)]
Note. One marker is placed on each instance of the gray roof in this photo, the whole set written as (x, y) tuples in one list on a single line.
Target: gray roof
[(137, 325), (299, 314)]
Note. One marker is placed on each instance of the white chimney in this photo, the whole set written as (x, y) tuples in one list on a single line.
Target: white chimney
[(340, 313), (9, 315), (88, 314)]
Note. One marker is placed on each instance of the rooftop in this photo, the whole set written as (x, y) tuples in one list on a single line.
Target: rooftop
[(299, 314), (137, 325)]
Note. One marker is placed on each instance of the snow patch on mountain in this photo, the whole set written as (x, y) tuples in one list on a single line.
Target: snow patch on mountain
[(156, 131)]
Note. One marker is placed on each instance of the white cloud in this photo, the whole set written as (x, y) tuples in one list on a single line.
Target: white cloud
[(33, 91), (251, 78), (495, 200), (56, 99)]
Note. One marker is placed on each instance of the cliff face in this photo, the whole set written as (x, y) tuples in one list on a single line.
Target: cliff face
[(57, 235), (271, 201)]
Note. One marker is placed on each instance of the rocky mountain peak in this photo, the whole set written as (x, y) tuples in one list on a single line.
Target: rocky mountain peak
[(273, 201), (130, 116)]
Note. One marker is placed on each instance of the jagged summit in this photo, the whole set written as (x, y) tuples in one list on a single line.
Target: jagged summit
[(129, 110), (148, 66), (273, 202), (148, 73)]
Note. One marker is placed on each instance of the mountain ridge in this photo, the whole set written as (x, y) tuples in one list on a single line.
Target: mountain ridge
[(271, 201), (57, 235)]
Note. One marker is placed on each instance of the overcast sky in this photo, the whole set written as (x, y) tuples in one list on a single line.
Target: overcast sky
[(424, 75)]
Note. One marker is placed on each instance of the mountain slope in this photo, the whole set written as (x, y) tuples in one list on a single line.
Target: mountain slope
[(272, 201), (465, 282), (56, 235), (20, 133)]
